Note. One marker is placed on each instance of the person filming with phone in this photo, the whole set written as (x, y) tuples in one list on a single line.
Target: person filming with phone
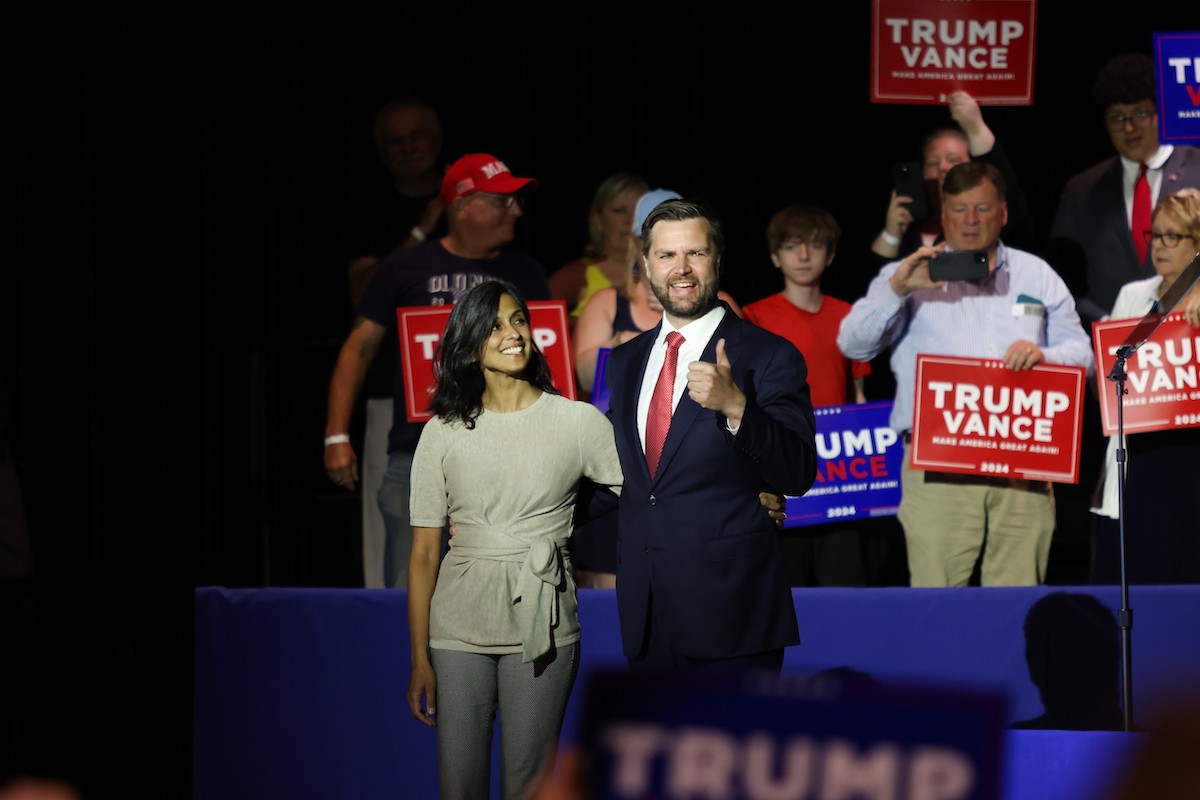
[(1000, 303), (913, 213)]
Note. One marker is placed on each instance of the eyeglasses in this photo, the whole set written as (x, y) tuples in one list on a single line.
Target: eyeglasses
[(1168, 240), (1140, 119), (505, 201)]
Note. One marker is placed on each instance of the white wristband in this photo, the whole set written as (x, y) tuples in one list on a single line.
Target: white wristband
[(337, 438), (417, 233), (889, 239)]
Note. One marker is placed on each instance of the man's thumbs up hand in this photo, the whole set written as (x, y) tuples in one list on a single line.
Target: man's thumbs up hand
[(712, 386)]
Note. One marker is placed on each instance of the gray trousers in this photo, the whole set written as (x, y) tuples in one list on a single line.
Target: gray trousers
[(531, 699)]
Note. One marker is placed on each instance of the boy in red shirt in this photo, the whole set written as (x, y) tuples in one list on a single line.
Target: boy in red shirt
[(803, 240)]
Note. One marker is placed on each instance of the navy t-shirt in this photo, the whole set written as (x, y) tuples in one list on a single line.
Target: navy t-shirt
[(430, 275)]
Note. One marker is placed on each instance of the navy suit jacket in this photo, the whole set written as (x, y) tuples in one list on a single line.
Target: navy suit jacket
[(696, 537), (1090, 244)]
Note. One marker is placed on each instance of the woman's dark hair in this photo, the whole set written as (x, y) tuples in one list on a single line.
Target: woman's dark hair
[(460, 384)]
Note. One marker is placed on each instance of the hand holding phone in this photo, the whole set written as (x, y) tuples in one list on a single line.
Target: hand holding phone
[(959, 265), (908, 180)]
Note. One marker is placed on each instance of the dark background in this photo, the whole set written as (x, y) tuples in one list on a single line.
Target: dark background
[(174, 303)]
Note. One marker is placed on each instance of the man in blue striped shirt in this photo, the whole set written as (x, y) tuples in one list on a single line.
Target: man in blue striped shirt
[(1023, 314)]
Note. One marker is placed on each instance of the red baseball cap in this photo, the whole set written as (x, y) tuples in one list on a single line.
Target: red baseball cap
[(480, 172)]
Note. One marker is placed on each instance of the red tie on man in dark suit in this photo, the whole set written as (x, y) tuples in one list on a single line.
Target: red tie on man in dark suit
[(658, 417), (700, 579), (1141, 213)]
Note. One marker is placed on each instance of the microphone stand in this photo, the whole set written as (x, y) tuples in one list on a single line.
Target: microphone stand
[(1124, 613), (1136, 338)]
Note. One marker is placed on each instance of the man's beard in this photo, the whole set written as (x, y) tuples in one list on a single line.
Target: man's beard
[(704, 301)]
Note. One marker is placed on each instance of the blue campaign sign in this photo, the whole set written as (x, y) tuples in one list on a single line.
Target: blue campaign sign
[(859, 458), (833, 734), (600, 385), (1177, 64)]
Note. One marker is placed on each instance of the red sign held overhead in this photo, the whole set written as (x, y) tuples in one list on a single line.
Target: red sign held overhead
[(978, 417), (420, 328), (922, 50), (1160, 378)]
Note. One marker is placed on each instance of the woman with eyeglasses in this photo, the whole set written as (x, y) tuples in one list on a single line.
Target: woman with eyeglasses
[(1161, 506)]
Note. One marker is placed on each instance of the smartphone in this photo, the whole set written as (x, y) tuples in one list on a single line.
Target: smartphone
[(959, 265), (908, 179)]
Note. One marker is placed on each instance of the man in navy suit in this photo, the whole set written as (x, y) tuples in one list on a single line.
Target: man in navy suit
[(700, 581), (1091, 241)]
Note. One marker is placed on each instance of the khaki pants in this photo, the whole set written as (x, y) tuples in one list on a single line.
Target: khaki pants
[(948, 519)]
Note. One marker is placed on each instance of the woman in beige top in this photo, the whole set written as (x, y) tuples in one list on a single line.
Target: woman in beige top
[(496, 627)]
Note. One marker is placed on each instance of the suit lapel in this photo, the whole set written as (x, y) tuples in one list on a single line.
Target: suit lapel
[(1114, 209), (1179, 171)]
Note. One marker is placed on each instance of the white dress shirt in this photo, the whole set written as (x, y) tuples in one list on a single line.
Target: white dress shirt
[(1024, 298), (696, 335), (1154, 165)]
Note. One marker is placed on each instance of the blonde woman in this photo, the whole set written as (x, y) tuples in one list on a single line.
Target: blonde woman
[(1162, 468)]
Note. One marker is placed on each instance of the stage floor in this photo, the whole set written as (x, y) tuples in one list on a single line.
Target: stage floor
[(301, 692)]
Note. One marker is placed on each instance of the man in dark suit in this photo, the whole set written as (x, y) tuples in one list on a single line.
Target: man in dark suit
[(1092, 243), (700, 581)]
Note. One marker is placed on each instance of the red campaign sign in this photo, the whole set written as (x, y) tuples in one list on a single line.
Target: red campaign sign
[(978, 417), (922, 50), (420, 328), (1160, 376)]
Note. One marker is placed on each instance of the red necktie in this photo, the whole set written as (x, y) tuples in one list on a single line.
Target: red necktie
[(658, 418), (1141, 214)]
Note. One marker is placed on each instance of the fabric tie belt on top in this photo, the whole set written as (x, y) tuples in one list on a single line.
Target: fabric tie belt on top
[(536, 592)]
